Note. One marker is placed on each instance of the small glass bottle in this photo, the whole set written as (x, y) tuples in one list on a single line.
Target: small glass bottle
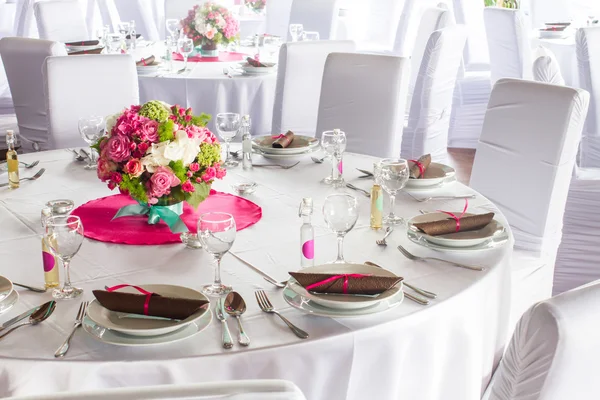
[(49, 260), (376, 206), (12, 160), (307, 234), (246, 143)]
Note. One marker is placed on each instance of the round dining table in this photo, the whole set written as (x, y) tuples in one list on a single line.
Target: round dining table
[(446, 350)]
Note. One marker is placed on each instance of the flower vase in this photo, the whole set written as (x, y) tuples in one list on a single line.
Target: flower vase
[(197, 52), (210, 50), (168, 210)]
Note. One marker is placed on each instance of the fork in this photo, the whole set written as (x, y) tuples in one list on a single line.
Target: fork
[(62, 350), (33, 178), (425, 199), (276, 165), (423, 292), (266, 306), (410, 256), (351, 186), (33, 164), (388, 232)]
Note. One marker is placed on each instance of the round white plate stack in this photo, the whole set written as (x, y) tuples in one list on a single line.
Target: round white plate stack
[(8, 295), (148, 69), (300, 146), (436, 175), (248, 69)]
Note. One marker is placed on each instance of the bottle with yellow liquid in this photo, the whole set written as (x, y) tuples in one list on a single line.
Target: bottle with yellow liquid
[(12, 161), (376, 207), (49, 260)]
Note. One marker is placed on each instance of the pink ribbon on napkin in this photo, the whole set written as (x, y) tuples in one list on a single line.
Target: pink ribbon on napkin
[(420, 165), (139, 289), (281, 135), (345, 277), (457, 219)]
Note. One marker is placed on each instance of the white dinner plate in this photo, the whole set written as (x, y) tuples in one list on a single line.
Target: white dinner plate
[(6, 288), (439, 185), (544, 34), (148, 69), (250, 70), (8, 302), (435, 174), (310, 307), (147, 326), (105, 335), (345, 301), (299, 145), (458, 239), (286, 156), (71, 49)]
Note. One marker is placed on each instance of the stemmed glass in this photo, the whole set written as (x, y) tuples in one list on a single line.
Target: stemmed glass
[(114, 42), (228, 125), (185, 45), (333, 144), (173, 26), (341, 213), (272, 44), (393, 174), (296, 31), (64, 236), (310, 36), (91, 129), (124, 29), (216, 232)]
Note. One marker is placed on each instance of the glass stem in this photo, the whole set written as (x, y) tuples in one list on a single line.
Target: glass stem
[(92, 157), (335, 162), (226, 151), (392, 204), (67, 285), (217, 272), (340, 255)]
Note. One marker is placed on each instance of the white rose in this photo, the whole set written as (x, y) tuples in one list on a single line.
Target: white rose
[(111, 121), (183, 148), (155, 157), (199, 22)]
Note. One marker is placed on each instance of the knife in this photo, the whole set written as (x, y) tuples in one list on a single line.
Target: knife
[(18, 318)]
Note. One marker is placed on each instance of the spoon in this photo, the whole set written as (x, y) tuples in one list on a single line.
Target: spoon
[(40, 315), (318, 160), (235, 306)]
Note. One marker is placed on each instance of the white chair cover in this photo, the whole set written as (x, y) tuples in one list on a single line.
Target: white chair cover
[(468, 13), (231, 390), (110, 14), (139, 11), (110, 83), (316, 15), (278, 17), (61, 20), (509, 43), (554, 351), (23, 59), (364, 95), (546, 69), (7, 18), (542, 11), (431, 105), (299, 78), (523, 164), (25, 25), (373, 24)]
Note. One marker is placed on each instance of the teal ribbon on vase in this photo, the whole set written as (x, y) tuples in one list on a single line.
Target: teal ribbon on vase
[(169, 214)]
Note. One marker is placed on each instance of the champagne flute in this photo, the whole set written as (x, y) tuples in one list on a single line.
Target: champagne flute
[(91, 129), (64, 237), (185, 45), (228, 125), (341, 213), (334, 144), (393, 175), (216, 232), (296, 31)]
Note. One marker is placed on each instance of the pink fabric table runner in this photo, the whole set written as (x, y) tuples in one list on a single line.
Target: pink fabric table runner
[(224, 56)]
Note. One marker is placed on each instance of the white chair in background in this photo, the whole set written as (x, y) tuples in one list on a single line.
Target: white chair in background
[(316, 16), (542, 11), (470, 14), (110, 14), (364, 95), (278, 18), (23, 59), (546, 69), (110, 83), (524, 164), (554, 351), (431, 105), (139, 11), (61, 20), (299, 78)]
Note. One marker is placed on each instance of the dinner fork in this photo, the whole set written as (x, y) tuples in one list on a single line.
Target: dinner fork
[(363, 191), (266, 306), (388, 232), (425, 199), (32, 178), (62, 350), (423, 292), (33, 164), (411, 256), (276, 165)]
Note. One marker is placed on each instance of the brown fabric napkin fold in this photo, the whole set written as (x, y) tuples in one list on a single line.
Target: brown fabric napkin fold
[(84, 43), (284, 141), (448, 225), (137, 36), (145, 61), (366, 285), (254, 62), (93, 51), (159, 306), (415, 171)]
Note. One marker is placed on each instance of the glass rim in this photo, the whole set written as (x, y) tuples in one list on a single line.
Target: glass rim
[(202, 216), (392, 161), (49, 220), (347, 195), (332, 132), (228, 114)]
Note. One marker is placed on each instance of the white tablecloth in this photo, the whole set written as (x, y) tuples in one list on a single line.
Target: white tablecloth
[(444, 351)]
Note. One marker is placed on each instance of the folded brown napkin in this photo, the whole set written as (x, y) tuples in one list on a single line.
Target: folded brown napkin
[(93, 51), (84, 43), (158, 306), (448, 225), (137, 36), (415, 171), (254, 63), (284, 141), (145, 61), (367, 284)]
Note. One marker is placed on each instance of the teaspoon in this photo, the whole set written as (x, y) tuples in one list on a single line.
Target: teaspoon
[(236, 306), (40, 315)]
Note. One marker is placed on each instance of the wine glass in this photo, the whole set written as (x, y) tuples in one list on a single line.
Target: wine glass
[(64, 236), (341, 213), (296, 31), (333, 144), (393, 175), (310, 36), (272, 44), (185, 45), (91, 129), (228, 125), (216, 232), (173, 26), (124, 29)]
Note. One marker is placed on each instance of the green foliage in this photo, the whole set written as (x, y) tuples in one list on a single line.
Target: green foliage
[(199, 195), (201, 120), (155, 110), (179, 170), (134, 187), (165, 131), (209, 155)]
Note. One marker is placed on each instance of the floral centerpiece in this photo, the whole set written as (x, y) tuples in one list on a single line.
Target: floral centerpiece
[(209, 25), (258, 6), (161, 156)]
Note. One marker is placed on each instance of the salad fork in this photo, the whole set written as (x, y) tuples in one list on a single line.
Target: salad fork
[(32, 178), (62, 350), (266, 306), (411, 256)]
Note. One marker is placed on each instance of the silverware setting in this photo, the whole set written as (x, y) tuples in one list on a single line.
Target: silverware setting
[(363, 191), (220, 313), (388, 232), (411, 256), (266, 306), (62, 350), (32, 288), (422, 292), (236, 306), (367, 174), (318, 160), (78, 157), (85, 154), (18, 318), (276, 165), (32, 178), (426, 199), (267, 277), (28, 166), (37, 317)]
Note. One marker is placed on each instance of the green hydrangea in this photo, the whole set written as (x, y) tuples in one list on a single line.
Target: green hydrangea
[(209, 154), (165, 131), (155, 110), (179, 170), (201, 120), (134, 187)]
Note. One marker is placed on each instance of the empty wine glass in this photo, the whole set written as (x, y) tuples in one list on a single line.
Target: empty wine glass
[(272, 44), (185, 45), (333, 144), (114, 42), (124, 29), (296, 31), (173, 26), (216, 232), (91, 129), (64, 236), (310, 36), (341, 213), (393, 174), (228, 125)]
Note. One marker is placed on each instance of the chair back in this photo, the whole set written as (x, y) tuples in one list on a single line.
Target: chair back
[(316, 15), (61, 20), (139, 11)]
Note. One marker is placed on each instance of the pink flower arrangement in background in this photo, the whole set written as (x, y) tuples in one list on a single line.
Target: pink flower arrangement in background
[(256, 5), (211, 23)]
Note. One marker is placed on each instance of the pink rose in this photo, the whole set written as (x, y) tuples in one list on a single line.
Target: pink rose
[(134, 167), (194, 167), (210, 174), (162, 181), (105, 169), (221, 172), (149, 131), (188, 187), (116, 177), (189, 174), (119, 148)]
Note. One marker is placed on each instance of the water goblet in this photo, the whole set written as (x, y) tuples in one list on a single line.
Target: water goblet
[(91, 129), (216, 232), (393, 175), (114, 42), (185, 45), (296, 31), (124, 30), (173, 27), (341, 213), (228, 125), (64, 236), (272, 44), (334, 144)]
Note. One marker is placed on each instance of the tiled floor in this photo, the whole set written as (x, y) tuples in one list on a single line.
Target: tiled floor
[(462, 161)]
